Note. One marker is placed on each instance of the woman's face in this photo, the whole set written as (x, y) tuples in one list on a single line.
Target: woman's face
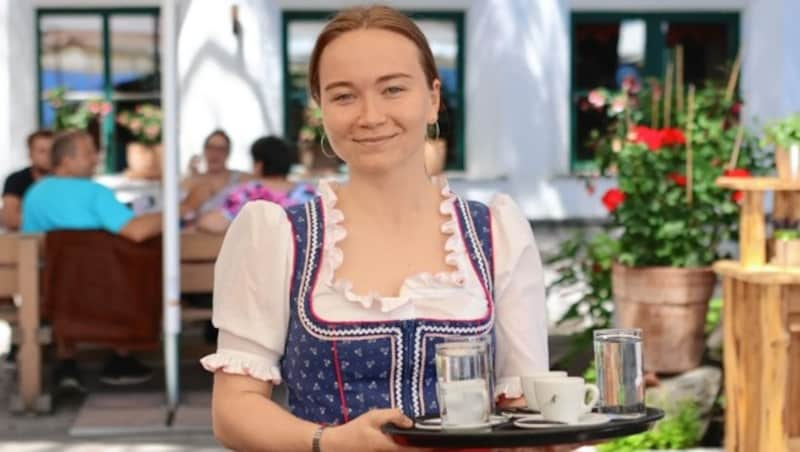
[(375, 100), (216, 153)]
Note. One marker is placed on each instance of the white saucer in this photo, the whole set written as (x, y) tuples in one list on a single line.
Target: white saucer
[(435, 424), (536, 421)]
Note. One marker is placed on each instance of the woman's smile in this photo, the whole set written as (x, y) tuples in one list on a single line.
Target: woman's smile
[(377, 140)]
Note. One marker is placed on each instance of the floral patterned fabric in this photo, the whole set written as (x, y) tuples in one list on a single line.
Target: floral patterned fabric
[(254, 190)]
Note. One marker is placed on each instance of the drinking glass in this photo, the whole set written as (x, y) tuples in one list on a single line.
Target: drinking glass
[(620, 377), (462, 372)]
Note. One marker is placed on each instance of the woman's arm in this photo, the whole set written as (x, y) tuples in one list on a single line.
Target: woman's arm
[(245, 418)]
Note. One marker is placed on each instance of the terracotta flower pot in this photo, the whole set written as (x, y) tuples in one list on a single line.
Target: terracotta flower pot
[(144, 162), (669, 305)]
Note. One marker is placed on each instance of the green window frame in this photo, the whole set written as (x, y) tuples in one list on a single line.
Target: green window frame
[(455, 98), (108, 126), (656, 54)]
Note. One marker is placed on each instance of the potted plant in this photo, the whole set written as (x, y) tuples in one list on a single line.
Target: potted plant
[(667, 215), (786, 247), (785, 135), (143, 154), (75, 114)]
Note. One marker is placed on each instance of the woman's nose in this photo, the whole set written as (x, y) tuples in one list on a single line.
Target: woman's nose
[(372, 113)]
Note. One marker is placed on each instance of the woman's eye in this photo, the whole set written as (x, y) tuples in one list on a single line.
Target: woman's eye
[(393, 90), (342, 97)]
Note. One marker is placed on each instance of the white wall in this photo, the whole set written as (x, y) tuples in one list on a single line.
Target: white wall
[(17, 84), (229, 82)]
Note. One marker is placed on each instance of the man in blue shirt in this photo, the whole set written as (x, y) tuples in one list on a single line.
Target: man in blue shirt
[(69, 199)]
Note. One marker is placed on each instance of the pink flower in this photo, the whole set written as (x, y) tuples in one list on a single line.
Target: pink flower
[(135, 126), (105, 108), (597, 98), (152, 131), (631, 85), (618, 104), (93, 107)]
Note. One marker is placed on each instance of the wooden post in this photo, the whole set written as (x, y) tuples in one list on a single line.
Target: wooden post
[(751, 229), (30, 359), (773, 383), (668, 95), (679, 79)]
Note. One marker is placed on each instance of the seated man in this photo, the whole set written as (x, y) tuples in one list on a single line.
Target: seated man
[(69, 199), (17, 184)]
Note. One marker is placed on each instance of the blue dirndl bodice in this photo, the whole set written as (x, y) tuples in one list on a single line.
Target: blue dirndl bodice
[(336, 371)]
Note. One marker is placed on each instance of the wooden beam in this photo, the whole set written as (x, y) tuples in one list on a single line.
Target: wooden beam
[(752, 245)]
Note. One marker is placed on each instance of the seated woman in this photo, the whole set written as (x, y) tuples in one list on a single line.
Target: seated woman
[(272, 159), (218, 180)]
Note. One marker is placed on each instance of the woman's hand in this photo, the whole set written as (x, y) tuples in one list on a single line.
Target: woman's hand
[(364, 433)]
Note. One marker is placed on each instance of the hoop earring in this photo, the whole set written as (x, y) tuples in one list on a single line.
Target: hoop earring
[(330, 155), (435, 125)]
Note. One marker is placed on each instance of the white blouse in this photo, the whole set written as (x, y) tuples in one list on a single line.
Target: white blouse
[(253, 270)]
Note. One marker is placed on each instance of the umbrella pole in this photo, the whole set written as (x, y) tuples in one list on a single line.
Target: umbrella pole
[(171, 244)]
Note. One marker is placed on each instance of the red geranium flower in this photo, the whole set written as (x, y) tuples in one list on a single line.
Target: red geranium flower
[(651, 137), (671, 136), (737, 172), (678, 178), (613, 198), (737, 196)]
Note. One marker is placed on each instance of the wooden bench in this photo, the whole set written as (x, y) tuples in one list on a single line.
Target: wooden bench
[(20, 259), (19, 281), (198, 255)]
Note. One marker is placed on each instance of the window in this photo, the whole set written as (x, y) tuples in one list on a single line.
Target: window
[(445, 33), (606, 47), (109, 54)]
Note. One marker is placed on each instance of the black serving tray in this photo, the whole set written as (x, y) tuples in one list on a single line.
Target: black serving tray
[(508, 435)]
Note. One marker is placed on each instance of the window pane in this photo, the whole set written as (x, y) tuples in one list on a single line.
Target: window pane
[(134, 56), (598, 62), (135, 75), (71, 56), (607, 50), (705, 49)]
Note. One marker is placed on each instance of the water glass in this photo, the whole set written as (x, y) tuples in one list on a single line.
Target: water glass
[(462, 372), (486, 341), (620, 376)]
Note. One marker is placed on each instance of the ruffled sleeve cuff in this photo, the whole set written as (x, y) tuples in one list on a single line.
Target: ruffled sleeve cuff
[(241, 363), (508, 388)]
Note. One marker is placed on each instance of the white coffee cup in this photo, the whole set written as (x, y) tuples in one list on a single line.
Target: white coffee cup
[(528, 388), (563, 399)]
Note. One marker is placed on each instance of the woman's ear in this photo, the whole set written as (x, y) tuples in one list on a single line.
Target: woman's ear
[(436, 99)]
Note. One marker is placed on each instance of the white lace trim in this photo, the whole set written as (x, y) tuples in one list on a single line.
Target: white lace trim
[(242, 363), (333, 257)]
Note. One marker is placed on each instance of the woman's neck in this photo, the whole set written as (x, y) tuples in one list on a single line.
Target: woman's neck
[(395, 197)]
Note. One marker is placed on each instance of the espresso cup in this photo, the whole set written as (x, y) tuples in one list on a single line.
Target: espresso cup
[(528, 388), (563, 399)]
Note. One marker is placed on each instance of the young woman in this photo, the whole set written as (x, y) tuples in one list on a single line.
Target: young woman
[(344, 297)]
